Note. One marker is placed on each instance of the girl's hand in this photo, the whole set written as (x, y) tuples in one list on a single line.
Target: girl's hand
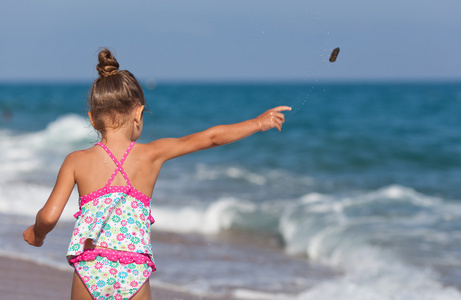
[(32, 238), (272, 118)]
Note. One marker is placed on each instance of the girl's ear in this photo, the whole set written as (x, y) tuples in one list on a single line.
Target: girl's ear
[(138, 114), (91, 118)]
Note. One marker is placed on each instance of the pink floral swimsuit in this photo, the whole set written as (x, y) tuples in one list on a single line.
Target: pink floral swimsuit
[(117, 218)]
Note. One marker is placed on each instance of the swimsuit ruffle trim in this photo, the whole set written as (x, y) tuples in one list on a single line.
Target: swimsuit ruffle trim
[(130, 191), (126, 189), (114, 255)]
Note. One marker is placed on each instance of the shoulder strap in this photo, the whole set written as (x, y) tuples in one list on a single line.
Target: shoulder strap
[(117, 163)]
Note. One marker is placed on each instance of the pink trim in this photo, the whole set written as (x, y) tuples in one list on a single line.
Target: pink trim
[(151, 219), (130, 191), (114, 255)]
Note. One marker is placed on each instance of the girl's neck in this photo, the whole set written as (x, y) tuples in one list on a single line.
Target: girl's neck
[(118, 137), (129, 132)]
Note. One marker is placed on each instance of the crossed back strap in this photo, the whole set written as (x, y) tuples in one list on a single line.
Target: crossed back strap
[(117, 163)]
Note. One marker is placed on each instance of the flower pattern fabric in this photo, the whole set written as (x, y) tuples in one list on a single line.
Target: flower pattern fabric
[(116, 221), (112, 280)]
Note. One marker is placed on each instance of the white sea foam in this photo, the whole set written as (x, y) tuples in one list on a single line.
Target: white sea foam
[(30, 162), (350, 233), (220, 215), (205, 172), (378, 279), (24, 153), (258, 295), (355, 234), (26, 200)]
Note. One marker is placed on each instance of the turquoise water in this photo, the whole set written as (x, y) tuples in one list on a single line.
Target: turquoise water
[(353, 135), (363, 178)]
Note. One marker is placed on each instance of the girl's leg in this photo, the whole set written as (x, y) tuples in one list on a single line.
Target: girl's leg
[(143, 293), (79, 290)]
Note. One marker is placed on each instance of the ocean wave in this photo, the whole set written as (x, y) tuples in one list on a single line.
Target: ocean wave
[(226, 213), (26, 199), (204, 172), (383, 282), (278, 177), (379, 239), (41, 151), (30, 162)]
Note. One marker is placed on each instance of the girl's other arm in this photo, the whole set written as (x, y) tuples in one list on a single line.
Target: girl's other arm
[(221, 134), (48, 216)]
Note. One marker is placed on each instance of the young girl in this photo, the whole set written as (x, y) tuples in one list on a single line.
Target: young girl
[(110, 245)]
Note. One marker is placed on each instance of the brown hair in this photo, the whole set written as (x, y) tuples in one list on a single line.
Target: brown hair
[(114, 94)]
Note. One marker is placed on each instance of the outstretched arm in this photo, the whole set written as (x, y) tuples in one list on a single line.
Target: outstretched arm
[(220, 135), (48, 216)]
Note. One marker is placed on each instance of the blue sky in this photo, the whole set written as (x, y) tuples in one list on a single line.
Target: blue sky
[(233, 40)]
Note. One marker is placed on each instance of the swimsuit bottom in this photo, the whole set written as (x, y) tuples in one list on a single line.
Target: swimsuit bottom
[(110, 274)]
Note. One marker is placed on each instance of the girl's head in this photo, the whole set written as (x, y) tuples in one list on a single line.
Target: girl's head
[(114, 96)]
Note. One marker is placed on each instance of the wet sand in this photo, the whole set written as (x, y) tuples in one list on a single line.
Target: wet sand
[(23, 280)]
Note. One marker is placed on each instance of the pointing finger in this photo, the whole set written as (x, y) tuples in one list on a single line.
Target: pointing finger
[(282, 108)]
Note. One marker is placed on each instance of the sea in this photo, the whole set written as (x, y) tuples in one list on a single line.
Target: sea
[(358, 197)]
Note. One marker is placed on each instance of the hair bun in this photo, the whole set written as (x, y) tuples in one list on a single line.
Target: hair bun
[(108, 65)]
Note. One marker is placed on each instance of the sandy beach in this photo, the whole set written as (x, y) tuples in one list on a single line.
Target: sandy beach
[(25, 280)]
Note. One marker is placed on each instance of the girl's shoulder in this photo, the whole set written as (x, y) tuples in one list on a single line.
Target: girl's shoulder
[(153, 148), (79, 156), (149, 147), (153, 152)]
